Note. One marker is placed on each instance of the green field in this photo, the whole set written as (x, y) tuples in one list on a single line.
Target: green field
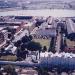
[(70, 43), (43, 42)]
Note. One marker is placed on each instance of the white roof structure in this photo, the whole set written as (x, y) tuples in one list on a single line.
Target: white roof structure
[(44, 32), (50, 54), (28, 24), (70, 26)]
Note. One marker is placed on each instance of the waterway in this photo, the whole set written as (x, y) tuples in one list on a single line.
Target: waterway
[(43, 12)]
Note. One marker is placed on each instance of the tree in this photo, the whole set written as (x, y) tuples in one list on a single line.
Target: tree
[(9, 36), (18, 53), (52, 45), (21, 52), (10, 70), (34, 46), (42, 71), (18, 43), (44, 48), (1, 72), (30, 37), (24, 46), (25, 39), (12, 30), (24, 52), (39, 22), (2, 50)]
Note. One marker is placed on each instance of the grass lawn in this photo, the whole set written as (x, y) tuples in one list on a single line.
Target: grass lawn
[(8, 58), (43, 42)]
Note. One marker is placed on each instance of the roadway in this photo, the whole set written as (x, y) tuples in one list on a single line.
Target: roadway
[(58, 43)]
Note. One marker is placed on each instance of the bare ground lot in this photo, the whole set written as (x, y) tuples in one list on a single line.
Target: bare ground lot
[(8, 58)]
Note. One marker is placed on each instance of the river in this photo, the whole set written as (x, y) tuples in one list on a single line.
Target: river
[(43, 12)]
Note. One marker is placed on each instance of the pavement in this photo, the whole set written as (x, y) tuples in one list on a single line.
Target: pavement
[(58, 43)]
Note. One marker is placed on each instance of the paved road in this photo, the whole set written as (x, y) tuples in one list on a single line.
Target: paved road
[(58, 43)]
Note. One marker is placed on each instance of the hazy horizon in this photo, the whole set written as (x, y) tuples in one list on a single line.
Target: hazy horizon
[(41, 0)]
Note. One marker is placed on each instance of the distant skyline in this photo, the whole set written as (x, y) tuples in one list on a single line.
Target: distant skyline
[(41, 0)]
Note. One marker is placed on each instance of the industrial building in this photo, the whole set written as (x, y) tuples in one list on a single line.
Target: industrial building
[(70, 29)]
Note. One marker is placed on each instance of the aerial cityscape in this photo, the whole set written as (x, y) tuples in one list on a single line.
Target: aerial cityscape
[(37, 37)]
